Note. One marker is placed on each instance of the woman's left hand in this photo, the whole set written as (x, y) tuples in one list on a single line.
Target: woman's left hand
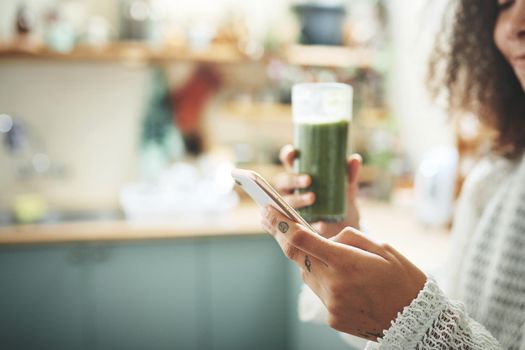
[(363, 284)]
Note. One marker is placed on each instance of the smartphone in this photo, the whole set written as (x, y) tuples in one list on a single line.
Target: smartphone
[(264, 194)]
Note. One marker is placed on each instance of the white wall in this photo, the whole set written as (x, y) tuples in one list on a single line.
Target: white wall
[(88, 116), (422, 124)]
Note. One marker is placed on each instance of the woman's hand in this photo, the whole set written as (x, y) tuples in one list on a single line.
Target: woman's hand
[(363, 284), (288, 182)]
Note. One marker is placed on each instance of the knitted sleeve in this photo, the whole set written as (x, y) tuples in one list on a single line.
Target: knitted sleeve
[(432, 321)]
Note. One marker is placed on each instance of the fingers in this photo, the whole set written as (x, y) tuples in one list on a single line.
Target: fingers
[(352, 237), (354, 167), (308, 264), (300, 200), (287, 156), (288, 182), (297, 236)]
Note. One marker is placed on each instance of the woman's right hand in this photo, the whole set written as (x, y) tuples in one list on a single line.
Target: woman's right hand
[(289, 181)]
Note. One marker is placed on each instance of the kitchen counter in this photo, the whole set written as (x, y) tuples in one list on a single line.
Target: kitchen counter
[(392, 224), (244, 220), (122, 285)]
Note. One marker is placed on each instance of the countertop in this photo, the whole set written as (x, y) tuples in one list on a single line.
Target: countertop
[(393, 224), (243, 220)]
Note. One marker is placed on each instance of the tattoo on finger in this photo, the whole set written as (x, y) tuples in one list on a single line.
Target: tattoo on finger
[(308, 263), (283, 227)]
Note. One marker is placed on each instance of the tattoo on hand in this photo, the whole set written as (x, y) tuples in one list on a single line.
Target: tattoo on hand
[(308, 263), (283, 227)]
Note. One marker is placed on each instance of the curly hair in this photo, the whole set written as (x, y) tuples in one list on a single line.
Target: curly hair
[(468, 67)]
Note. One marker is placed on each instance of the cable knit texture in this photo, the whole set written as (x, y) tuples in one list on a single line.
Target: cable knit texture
[(488, 272), (432, 321)]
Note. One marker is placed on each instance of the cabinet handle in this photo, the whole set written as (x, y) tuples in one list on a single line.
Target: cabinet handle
[(84, 254), (78, 255)]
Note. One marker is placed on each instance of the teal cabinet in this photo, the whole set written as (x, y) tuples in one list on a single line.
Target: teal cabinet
[(223, 293), (146, 297), (43, 298), (248, 280)]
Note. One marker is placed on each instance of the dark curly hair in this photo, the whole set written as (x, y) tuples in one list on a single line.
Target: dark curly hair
[(475, 77)]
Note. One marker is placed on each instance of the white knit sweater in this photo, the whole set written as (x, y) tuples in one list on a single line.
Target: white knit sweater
[(483, 306)]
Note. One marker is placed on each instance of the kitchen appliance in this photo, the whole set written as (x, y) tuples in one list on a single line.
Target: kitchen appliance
[(435, 186)]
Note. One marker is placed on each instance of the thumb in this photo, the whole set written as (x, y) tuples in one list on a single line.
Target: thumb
[(355, 238)]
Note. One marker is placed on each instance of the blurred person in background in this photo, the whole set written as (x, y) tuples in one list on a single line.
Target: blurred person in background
[(370, 290)]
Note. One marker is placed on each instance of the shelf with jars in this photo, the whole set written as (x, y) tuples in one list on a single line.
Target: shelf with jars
[(219, 53), (126, 51)]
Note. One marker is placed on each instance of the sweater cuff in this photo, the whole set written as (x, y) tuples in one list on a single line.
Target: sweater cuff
[(412, 323)]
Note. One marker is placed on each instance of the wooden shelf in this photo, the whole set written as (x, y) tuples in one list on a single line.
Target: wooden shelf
[(251, 122), (130, 52), (301, 55), (329, 56), (257, 111)]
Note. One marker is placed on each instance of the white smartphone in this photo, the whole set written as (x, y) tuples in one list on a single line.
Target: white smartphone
[(264, 194)]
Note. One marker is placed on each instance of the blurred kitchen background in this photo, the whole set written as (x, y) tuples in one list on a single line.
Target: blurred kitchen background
[(120, 121)]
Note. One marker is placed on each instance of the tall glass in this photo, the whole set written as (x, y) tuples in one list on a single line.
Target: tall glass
[(322, 113)]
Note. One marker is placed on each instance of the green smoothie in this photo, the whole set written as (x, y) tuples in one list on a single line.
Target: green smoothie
[(322, 153)]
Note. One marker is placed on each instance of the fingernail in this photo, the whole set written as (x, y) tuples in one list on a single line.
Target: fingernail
[(308, 196), (304, 180)]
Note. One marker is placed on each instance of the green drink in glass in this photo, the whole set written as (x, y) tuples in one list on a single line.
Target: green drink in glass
[(321, 114)]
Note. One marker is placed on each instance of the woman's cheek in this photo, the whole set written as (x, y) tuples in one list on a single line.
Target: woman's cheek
[(499, 35), (504, 33)]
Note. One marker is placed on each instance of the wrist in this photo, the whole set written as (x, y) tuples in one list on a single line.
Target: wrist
[(411, 324)]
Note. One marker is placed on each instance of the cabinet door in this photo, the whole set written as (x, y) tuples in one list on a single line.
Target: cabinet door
[(145, 296), (248, 294), (42, 298)]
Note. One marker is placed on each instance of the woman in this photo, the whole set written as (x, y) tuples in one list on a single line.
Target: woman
[(370, 290)]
